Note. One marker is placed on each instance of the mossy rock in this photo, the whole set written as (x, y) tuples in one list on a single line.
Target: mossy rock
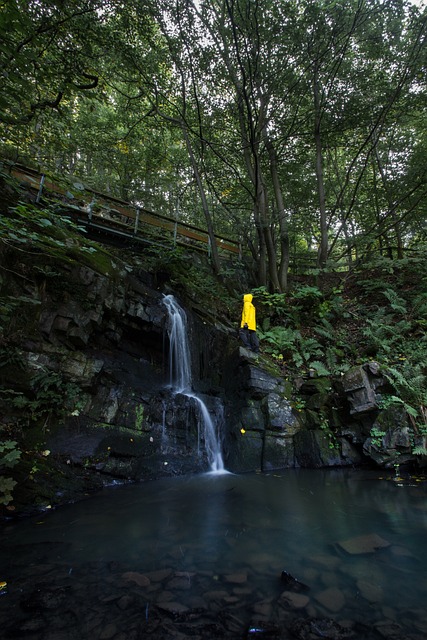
[(245, 452), (311, 386), (278, 453)]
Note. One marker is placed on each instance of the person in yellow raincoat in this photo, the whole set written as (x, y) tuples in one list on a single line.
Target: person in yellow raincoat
[(247, 331)]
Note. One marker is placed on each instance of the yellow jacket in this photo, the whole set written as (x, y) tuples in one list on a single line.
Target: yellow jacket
[(248, 313)]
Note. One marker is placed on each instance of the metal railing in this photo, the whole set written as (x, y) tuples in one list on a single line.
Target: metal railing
[(118, 217)]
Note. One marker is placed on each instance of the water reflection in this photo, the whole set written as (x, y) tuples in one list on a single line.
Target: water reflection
[(254, 526)]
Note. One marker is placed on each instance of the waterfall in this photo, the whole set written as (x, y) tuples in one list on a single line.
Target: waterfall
[(179, 351), (181, 381)]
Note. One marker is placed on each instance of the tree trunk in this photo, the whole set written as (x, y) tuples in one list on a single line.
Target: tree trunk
[(323, 246), (214, 249), (268, 237), (391, 207), (251, 159), (283, 222)]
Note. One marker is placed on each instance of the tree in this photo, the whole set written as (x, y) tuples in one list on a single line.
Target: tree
[(47, 54), (245, 40)]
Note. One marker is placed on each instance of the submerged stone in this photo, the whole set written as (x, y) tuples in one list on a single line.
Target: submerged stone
[(370, 591), (126, 602), (315, 628), (27, 627), (295, 600), (368, 543), (180, 582), (133, 576), (263, 608), (236, 578), (45, 598), (160, 575), (215, 595), (172, 608), (332, 598), (389, 630)]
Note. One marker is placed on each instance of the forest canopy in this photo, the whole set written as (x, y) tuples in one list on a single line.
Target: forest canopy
[(297, 127)]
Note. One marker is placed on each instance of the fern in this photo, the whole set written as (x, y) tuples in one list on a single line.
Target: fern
[(410, 382), (6, 487), (325, 333), (419, 451), (307, 292), (275, 302), (320, 368), (11, 357), (310, 347), (331, 359), (396, 303), (385, 334), (281, 337), (419, 308), (297, 359)]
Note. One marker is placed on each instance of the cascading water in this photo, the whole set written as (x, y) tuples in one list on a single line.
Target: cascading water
[(179, 351), (181, 382)]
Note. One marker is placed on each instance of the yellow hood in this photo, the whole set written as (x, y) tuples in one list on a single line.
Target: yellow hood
[(248, 313)]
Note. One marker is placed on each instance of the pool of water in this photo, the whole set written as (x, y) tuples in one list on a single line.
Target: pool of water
[(202, 556)]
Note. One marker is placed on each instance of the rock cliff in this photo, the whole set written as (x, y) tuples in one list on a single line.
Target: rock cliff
[(86, 398)]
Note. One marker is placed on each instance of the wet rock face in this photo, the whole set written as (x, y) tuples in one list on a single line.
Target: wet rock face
[(266, 431), (314, 449), (337, 423), (97, 345), (259, 417)]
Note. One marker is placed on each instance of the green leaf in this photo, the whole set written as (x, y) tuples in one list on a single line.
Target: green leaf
[(6, 487), (320, 368), (11, 454)]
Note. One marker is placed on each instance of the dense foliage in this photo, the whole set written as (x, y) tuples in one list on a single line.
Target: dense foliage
[(298, 127)]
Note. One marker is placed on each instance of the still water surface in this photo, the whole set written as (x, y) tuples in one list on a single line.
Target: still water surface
[(253, 525)]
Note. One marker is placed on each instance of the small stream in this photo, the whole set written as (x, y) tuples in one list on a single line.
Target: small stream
[(202, 556)]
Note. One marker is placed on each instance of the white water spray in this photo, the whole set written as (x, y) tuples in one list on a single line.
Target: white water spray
[(180, 379)]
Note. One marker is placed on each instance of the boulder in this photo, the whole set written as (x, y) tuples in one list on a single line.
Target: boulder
[(278, 452), (280, 415), (316, 448), (391, 442), (362, 386)]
